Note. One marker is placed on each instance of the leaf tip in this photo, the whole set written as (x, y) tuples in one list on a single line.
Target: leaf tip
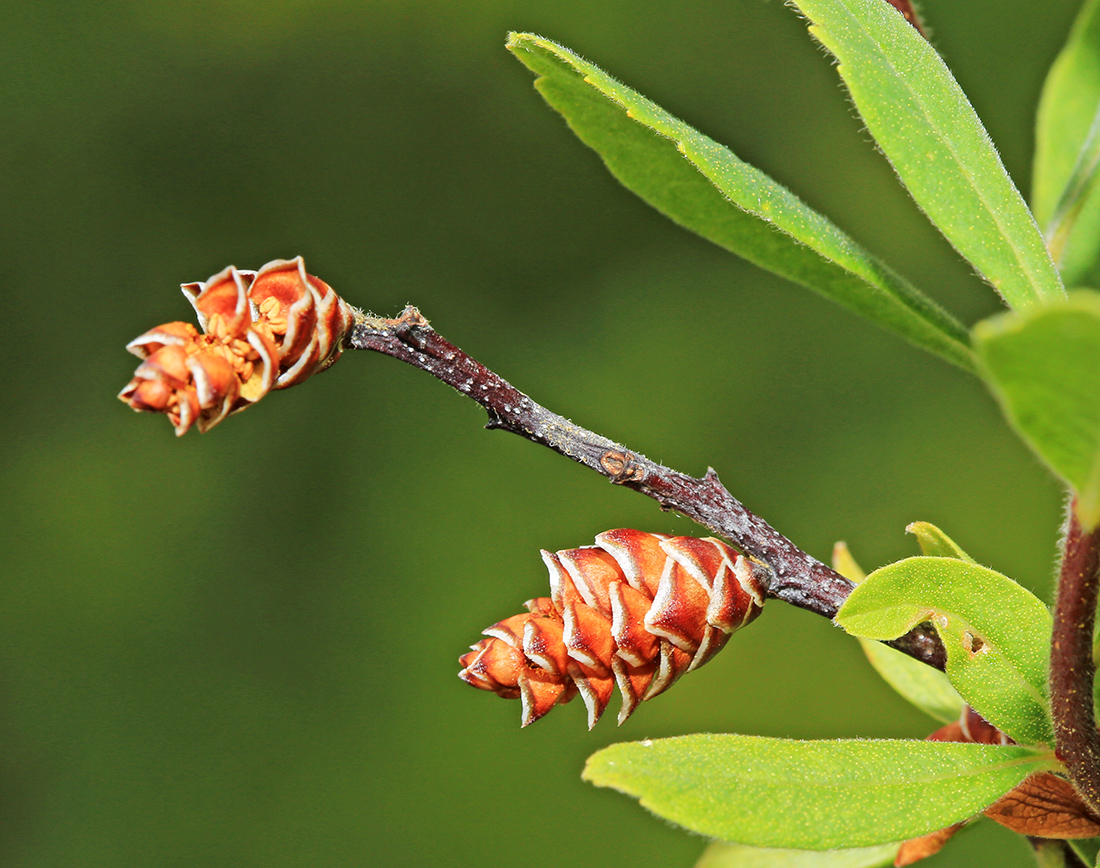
[(518, 41), (845, 564), (595, 769)]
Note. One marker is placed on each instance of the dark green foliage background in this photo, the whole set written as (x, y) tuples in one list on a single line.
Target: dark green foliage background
[(239, 649)]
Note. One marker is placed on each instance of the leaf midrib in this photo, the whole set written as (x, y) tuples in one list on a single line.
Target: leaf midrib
[(767, 776)]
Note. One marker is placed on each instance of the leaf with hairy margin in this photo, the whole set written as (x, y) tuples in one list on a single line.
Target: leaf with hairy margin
[(935, 543), (704, 187), (1044, 368), (812, 795), (917, 683), (931, 135), (1065, 195), (722, 855), (996, 634)]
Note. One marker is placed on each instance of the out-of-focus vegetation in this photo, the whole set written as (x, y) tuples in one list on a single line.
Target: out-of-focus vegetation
[(240, 649)]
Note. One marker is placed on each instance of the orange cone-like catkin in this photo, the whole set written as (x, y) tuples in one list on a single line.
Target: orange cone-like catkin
[(262, 330), (636, 610)]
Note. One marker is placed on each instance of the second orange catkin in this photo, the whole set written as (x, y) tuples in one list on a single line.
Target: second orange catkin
[(636, 610)]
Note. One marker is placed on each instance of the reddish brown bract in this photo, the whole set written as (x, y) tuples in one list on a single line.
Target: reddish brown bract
[(636, 610), (1043, 806), (262, 330)]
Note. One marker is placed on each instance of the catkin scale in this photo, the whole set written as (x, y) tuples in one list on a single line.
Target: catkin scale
[(261, 330), (635, 611)]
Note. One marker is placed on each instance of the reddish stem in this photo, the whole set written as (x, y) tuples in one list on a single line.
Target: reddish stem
[(1072, 670)]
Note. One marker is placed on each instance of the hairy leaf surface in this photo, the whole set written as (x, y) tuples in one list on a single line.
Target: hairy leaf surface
[(996, 633), (704, 187), (812, 795), (1065, 195), (722, 855), (926, 688), (928, 130), (1044, 368)]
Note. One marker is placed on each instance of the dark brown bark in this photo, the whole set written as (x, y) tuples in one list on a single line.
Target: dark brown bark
[(796, 578)]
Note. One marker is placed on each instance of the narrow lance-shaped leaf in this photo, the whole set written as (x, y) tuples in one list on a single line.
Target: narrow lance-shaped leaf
[(926, 688), (928, 130), (996, 634), (1044, 368), (704, 187), (816, 795), (1067, 152), (845, 564), (722, 855)]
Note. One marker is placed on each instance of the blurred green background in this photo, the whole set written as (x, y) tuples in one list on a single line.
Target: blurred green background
[(239, 649)]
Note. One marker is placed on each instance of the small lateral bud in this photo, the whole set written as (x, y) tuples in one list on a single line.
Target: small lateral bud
[(635, 611), (261, 330)]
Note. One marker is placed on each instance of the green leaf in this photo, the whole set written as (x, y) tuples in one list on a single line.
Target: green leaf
[(722, 855), (845, 564), (704, 187), (935, 543), (812, 795), (1050, 854), (996, 633), (1067, 152), (928, 130), (1087, 849), (1096, 682), (1044, 368), (926, 688)]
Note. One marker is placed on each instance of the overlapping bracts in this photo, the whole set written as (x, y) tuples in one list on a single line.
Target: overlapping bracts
[(261, 330), (636, 610)]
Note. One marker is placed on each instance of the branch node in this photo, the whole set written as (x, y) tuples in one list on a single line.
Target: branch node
[(621, 467), (413, 317)]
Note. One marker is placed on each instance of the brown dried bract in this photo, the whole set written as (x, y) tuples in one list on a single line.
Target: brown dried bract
[(260, 331), (916, 849), (1045, 806), (636, 610)]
